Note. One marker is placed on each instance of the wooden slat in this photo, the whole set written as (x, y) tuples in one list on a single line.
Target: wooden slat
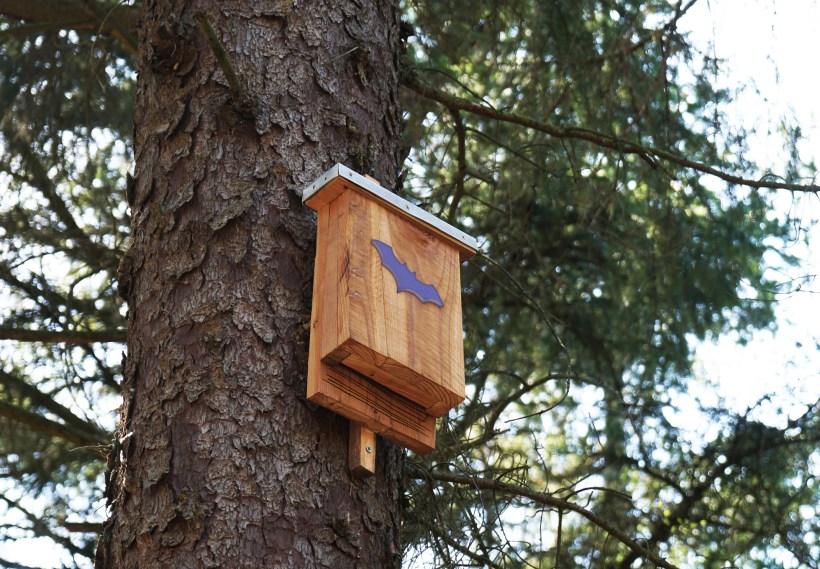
[(361, 451), (391, 416), (381, 357)]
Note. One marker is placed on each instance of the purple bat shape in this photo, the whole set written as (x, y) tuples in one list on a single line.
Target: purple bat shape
[(406, 280)]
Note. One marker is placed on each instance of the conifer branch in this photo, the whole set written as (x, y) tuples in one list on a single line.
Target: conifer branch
[(495, 411), (82, 527), (481, 559), (39, 178), (109, 22), (219, 52), (35, 28), (44, 295), (118, 335), (12, 565), (546, 499), (47, 402), (119, 22), (650, 154), (664, 526), (240, 95), (40, 528), (461, 156), (39, 423)]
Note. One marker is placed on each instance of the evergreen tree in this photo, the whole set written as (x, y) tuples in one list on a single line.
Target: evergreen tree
[(582, 143)]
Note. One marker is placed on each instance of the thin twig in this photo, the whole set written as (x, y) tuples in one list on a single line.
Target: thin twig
[(42, 424), (341, 55), (533, 303), (546, 499), (115, 28), (648, 153), (461, 172), (82, 527)]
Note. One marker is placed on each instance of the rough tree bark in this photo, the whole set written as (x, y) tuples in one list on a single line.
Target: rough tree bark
[(219, 460)]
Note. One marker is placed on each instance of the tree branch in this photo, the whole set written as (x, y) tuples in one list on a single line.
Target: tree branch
[(549, 500), (42, 181), (82, 527), (40, 528), (124, 32), (40, 399), (494, 412), (38, 422), (219, 53), (483, 559), (240, 95), (648, 153), (461, 173), (115, 20), (38, 177), (44, 296), (682, 511), (63, 336)]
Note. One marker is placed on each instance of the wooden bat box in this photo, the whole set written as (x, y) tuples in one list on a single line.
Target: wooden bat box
[(386, 346)]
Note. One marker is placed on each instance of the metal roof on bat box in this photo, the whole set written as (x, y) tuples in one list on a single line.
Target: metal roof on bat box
[(323, 190)]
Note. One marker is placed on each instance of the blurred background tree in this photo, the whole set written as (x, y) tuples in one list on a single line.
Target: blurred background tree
[(67, 113), (585, 145)]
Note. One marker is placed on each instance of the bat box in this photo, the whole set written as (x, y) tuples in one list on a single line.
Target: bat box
[(386, 346)]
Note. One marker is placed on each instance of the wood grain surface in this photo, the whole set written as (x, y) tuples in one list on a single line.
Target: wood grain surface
[(411, 347)]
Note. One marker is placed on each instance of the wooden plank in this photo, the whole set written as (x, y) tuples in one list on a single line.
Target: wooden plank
[(386, 348), (430, 395), (320, 299), (343, 390), (412, 347), (380, 410), (361, 451)]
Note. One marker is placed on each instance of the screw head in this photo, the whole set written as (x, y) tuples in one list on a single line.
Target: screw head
[(368, 448)]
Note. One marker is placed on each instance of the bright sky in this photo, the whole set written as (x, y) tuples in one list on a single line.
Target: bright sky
[(769, 46)]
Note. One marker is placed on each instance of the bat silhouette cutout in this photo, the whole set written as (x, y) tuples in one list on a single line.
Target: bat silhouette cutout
[(406, 280)]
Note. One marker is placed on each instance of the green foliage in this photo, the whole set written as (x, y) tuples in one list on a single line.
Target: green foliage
[(67, 115), (599, 264), (598, 268)]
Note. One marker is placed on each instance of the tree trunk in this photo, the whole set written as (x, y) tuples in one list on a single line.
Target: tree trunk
[(219, 459)]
